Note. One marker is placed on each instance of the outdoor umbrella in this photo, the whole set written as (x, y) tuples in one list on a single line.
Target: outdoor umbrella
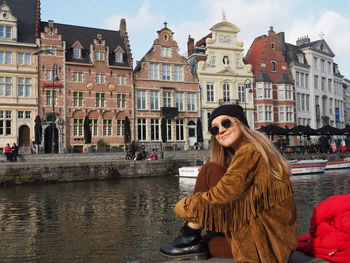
[(163, 129), (127, 131), (329, 130), (38, 131), (346, 130), (199, 131), (302, 130), (87, 130), (273, 130)]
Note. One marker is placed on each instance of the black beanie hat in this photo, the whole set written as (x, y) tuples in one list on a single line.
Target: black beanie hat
[(232, 110)]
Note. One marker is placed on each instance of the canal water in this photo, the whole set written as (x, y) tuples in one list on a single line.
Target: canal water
[(115, 221)]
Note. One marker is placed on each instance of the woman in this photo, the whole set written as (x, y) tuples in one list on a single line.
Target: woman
[(252, 204)]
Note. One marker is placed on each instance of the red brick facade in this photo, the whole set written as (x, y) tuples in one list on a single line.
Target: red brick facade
[(91, 84), (165, 88), (274, 86)]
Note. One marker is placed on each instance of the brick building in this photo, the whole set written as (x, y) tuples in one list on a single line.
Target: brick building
[(274, 86), (165, 90), (84, 72)]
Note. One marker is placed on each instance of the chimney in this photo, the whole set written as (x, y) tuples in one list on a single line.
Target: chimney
[(271, 32), (122, 27), (190, 46), (303, 40), (37, 18)]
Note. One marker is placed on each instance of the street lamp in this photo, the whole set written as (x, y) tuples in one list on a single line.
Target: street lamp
[(54, 78), (247, 85)]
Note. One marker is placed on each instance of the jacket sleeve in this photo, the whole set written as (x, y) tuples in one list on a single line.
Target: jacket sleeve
[(238, 177)]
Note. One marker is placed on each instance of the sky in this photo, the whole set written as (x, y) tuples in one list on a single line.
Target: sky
[(329, 19)]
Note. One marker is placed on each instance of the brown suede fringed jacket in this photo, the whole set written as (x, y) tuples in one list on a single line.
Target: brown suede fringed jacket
[(255, 210)]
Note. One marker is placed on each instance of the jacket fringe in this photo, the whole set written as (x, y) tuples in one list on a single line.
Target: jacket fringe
[(231, 216)]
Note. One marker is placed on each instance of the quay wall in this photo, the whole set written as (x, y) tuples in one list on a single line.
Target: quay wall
[(75, 167)]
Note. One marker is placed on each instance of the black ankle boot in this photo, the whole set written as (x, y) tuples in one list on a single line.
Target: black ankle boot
[(188, 245)]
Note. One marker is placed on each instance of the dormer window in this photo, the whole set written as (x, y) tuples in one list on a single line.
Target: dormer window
[(99, 55), (165, 52), (77, 53), (300, 58), (119, 57), (5, 32)]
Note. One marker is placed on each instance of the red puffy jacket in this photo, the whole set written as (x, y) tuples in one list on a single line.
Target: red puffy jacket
[(329, 231)]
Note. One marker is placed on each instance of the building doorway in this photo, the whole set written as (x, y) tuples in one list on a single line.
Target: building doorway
[(191, 126), (24, 136), (51, 139)]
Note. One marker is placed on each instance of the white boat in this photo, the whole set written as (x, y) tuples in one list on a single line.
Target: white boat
[(342, 164), (307, 166), (189, 171)]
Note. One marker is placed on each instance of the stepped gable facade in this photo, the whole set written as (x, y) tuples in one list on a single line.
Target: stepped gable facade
[(94, 79), (167, 96)]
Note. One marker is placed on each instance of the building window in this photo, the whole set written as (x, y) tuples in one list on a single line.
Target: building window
[(119, 57), (78, 98), (5, 57), (226, 91), (100, 100), (5, 32), (300, 58), (107, 127), (289, 114), (260, 113), (153, 71), (303, 102), (178, 76), (78, 127), (50, 95), (24, 59), (24, 87), (323, 84), (165, 52), (100, 78), (5, 86), (141, 129), (94, 127), (48, 74), (154, 130), (166, 72), (191, 101), (268, 113), (281, 114), (241, 94), (316, 82), (121, 101), (273, 65), (77, 53), (210, 92), (330, 106), (306, 81), (267, 91), (307, 103), (5, 122), (298, 102), (315, 62), (154, 100), (166, 98), (179, 101), (121, 80), (99, 55), (78, 76), (323, 66), (52, 50), (141, 100), (329, 85), (24, 114), (180, 130), (120, 127)]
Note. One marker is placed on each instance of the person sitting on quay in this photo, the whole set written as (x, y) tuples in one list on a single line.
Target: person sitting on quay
[(153, 156), (14, 152), (7, 152)]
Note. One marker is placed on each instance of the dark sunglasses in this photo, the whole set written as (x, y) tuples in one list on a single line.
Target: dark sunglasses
[(226, 123)]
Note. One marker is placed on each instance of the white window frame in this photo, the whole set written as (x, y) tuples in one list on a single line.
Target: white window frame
[(154, 100), (166, 72), (141, 99)]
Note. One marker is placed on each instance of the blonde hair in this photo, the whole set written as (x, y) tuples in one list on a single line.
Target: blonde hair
[(273, 158)]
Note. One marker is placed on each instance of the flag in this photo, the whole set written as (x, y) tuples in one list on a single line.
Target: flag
[(343, 145), (333, 146)]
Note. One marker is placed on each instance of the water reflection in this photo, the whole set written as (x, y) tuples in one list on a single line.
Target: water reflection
[(114, 221)]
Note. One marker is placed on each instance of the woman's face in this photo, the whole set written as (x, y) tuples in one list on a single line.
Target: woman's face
[(229, 136)]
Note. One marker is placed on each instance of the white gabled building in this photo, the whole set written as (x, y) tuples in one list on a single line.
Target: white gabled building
[(318, 84), (224, 78)]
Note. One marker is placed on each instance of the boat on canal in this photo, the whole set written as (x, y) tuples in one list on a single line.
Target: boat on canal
[(189, 171), (307, 166), (340, 164)]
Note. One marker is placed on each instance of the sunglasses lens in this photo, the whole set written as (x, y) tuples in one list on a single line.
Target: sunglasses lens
[(226, 123), (214, 130)]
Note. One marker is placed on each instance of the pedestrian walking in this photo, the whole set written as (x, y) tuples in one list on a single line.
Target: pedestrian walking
[(7, 152), (14, 152)]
